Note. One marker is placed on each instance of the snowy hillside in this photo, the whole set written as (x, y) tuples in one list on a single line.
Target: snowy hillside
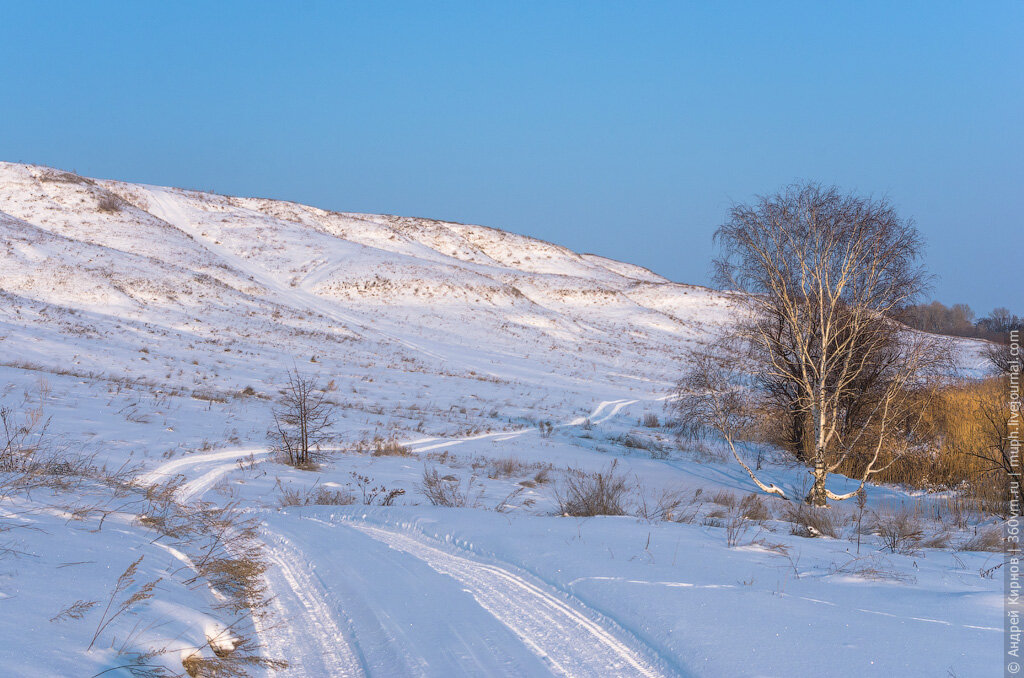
[(168, 268), (153, 328)]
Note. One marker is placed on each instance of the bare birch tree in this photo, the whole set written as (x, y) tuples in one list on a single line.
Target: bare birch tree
[(302, 419), (822, 274)]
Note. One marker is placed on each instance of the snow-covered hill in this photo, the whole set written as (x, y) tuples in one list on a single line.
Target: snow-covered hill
[(176, 272), (152, 328)]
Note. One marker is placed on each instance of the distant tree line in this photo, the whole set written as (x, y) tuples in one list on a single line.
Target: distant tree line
[(959, 320)]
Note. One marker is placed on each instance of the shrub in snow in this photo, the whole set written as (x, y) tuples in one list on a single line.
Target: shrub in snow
[(900, 532), (602, 493), (446, 490), (811, 521), (108, 203)]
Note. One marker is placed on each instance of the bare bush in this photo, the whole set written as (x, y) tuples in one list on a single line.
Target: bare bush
[(900, 532), (446, 491), (666, 505), (372, 493), (688, 513), (1003, 359), (811, 521), (650, 420), (108, 202), (735, 527), (601, 493), (753, 508)]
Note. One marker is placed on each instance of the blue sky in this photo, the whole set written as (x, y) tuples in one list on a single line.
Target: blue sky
[(623, 129)]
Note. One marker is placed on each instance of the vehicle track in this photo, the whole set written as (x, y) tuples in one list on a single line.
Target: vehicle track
[(566, 636), (308, 633)]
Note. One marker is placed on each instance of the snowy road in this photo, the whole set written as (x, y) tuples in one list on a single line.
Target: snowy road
[(412, 608), (353, 599), (564, 636), (307, 629)]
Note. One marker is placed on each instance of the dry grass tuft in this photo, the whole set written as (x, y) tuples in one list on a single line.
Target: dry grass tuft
[(754, 508), (900, 532), (316, 496), (447, 491), (724, 498), (873, 568), (601, 493), (506, 467), (985, 539), (390, 448), (811, 521), (61, 177)]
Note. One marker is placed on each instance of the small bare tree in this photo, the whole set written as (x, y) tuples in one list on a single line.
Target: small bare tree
[(823, 273), (302, 419)]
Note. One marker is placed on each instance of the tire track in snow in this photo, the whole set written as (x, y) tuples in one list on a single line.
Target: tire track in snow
[(502, 436), (198, 486), (568, 639), (616, 406), (306, 631), (309, 634), (176, 466)]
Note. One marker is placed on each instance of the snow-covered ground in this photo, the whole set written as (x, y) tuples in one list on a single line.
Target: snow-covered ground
[(155, 337)]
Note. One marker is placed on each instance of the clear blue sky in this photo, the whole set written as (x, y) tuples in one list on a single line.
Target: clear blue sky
[(624, 129)]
